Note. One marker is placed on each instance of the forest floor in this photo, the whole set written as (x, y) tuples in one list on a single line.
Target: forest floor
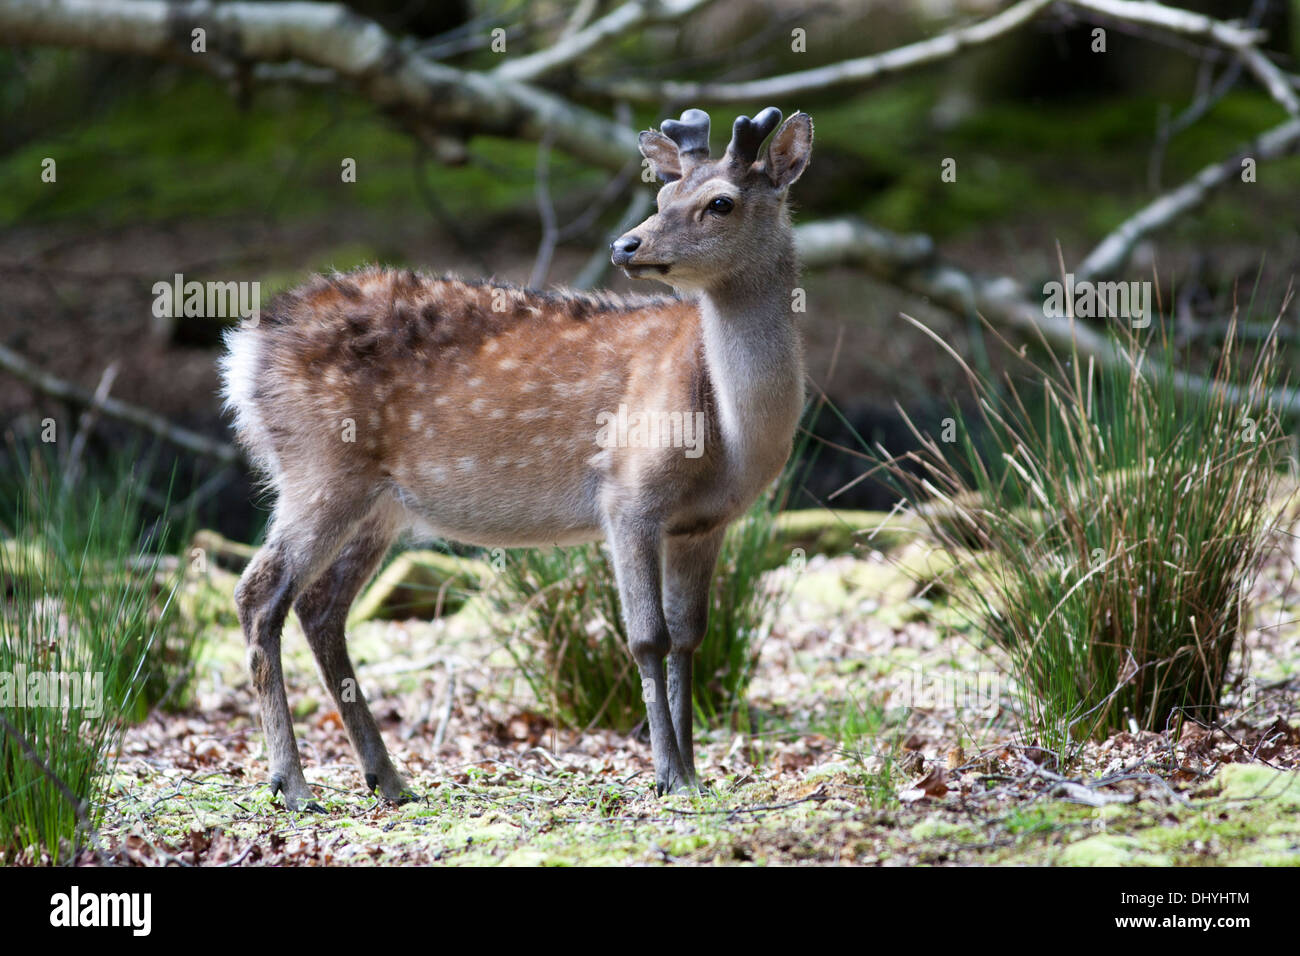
[(876, 735)]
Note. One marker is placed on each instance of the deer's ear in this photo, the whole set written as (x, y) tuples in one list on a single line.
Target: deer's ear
[(790, 150), (662, 153)]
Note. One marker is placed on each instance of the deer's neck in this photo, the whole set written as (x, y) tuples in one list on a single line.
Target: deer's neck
[(755, 362)]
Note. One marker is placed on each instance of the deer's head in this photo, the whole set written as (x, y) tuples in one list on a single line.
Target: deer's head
[(716, 218)]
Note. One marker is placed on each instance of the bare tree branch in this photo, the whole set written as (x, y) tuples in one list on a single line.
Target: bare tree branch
[(1113, 251), (856, 71), (912, 264), (624, 19), (324, 36), (1241, 40), (16, 365)]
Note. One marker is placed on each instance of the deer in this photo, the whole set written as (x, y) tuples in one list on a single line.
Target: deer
[(382, 401)]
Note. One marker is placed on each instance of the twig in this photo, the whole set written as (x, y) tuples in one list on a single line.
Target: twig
[(546, 210), (72, 467), (598, 262), (16, 365), (444, 719), (568, 48)]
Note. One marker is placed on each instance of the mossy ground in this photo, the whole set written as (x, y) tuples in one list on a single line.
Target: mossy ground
[(829, 766)]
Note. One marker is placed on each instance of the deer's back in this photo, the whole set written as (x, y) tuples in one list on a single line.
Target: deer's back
[(423, 384)]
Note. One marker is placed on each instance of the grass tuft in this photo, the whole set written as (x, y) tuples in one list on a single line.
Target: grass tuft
[(1107, 529)]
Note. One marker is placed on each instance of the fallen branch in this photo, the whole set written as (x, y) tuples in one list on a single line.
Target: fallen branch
[(1241, 41), (1113, 251), (911, 263), (323, 36), (21, 368), (847, 72), (72, 467)]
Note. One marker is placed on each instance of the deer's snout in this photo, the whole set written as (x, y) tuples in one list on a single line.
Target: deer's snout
[(622, 248)]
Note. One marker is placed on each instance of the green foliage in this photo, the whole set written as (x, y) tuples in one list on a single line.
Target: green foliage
[(205, 156), (87, 599), (1117, 524), (870, 737)]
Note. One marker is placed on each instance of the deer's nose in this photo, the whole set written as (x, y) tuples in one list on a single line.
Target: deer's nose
[(621, 249)]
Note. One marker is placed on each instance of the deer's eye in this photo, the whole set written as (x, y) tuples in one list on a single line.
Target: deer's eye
[(722, 205)]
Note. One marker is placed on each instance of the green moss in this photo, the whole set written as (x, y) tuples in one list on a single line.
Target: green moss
[(1243, 781), (1109, 849), (184, 147)]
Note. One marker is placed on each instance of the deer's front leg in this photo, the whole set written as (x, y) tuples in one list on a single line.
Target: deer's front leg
[(688, 571), (636, 547)]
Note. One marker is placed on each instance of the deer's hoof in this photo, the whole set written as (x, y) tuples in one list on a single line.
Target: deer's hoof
[(395, 791), (676, 784), (297, 798)]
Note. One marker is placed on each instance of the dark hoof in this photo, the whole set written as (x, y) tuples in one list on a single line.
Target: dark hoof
[(677, 787), (292, 802), (405, 795)]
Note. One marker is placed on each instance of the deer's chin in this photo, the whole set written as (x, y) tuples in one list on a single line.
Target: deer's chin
[(647, 271)]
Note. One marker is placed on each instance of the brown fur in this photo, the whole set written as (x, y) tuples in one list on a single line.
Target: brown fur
[(384, 399)]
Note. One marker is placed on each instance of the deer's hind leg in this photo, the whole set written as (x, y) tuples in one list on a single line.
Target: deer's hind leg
[(323, 611), (306, 533)]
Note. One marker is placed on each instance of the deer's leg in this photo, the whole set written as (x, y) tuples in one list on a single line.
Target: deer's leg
[(688, 570), (636, 547), (302, 541), (323, 611)]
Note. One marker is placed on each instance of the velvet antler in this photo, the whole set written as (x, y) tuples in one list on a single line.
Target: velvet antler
[(691, 134), (747, 135)]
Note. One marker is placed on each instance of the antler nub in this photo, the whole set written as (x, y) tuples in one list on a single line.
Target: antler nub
[(747, 134), (690, 133)]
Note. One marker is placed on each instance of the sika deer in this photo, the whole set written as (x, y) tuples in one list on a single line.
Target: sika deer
[(382, 400)]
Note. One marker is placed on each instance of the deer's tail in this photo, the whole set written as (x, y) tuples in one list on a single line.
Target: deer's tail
[(242, 369)]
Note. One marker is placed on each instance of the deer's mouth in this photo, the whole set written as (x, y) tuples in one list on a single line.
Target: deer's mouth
[(641, 270)]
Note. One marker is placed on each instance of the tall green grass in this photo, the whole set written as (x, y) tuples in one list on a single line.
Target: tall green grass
[(1107, 528), (87, 598)]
